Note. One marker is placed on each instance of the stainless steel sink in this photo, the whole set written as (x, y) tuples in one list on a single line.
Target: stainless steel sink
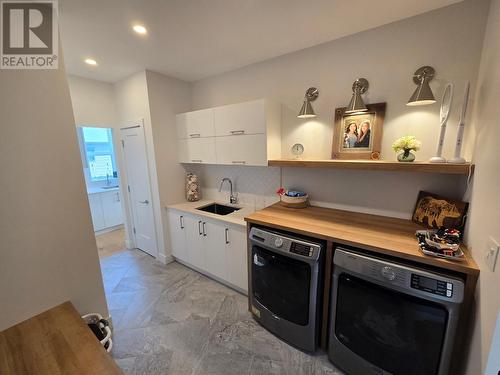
[(218, 209), (109, 187)]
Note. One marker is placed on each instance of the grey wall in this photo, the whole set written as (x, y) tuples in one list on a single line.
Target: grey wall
[(449, 39)]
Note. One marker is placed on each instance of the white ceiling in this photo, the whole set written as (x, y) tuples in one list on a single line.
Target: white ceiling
[(194, 39)]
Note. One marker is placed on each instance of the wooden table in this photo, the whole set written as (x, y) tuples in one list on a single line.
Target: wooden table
[(55, 342), (378, 234)]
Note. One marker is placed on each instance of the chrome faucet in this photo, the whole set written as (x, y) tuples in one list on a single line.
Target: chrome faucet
[(232, 198)]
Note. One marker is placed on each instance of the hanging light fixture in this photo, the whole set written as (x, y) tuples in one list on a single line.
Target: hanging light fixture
[(359, 87), (307, 110), (423, 94)]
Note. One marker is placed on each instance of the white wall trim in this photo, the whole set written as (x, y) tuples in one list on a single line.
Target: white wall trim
[(165, 259)]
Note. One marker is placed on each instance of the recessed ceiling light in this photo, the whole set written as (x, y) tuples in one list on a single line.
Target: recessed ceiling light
[(91, 62), (139, 29)]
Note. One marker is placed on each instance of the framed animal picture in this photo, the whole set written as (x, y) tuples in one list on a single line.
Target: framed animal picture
[(434, 211), (358, 135)]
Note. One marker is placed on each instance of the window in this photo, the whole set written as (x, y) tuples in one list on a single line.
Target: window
[(98, 151)]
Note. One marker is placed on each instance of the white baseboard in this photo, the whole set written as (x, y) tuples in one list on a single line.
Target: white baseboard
[(165, 259), (129, 245), (110, 229)]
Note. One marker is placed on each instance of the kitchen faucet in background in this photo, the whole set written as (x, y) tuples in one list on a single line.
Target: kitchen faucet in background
[(232, 198)]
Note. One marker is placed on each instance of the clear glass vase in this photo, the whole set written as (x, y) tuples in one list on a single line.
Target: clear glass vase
[(406, 156)]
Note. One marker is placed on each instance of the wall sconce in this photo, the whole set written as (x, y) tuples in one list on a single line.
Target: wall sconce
[(307, 110), (360, 86), (423, 94)]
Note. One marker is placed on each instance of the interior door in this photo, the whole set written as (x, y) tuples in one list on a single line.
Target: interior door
[(137, 170)]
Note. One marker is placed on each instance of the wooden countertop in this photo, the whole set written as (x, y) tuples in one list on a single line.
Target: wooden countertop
[(386, 235), (55, 342)]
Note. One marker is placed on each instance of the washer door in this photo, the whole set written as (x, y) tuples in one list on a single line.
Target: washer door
[(281, 284), (396, 332)]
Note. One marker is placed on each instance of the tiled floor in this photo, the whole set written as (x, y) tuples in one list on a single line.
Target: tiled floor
[(110, 243), (172, 320)]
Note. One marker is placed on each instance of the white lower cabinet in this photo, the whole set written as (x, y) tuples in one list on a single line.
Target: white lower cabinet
[(211, 246), (236, 257), (177, 230), (106, 209), (195, 241), (96, 212), (215, 250)]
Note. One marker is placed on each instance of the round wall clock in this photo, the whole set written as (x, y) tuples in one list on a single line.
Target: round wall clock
[(297, 149)]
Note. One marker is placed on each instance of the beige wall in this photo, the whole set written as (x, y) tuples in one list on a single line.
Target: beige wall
[(93, 102), (485, 201), (155, 98), (48, 252), (167, 96), (449, 39)]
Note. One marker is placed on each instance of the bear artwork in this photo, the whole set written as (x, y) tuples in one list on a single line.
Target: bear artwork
[(437, 212)]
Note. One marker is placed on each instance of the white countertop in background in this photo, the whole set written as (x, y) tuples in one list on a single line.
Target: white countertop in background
[(95, 190), (236, 217)]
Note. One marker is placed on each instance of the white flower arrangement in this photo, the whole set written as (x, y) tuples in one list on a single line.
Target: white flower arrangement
[(406, 143)]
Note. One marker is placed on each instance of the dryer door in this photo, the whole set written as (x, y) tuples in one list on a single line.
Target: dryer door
[(281, 284)]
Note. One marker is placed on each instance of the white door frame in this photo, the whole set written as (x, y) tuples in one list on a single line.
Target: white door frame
[(129, 213)]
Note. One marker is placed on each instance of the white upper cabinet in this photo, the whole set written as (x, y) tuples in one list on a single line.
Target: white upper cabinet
[(241, 118), (197, 150), (196, 124), (250, 149), (246, 133)]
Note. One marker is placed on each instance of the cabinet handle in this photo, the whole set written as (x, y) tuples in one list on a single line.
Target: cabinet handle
[(196, 135), (196, 160), (181, 221), (204, 230), (199, 228), (144, 202), (118, 197), (227, 236), (237, 132), (239, 162)]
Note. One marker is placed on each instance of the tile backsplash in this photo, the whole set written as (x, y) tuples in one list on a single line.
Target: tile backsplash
[(383, 193)]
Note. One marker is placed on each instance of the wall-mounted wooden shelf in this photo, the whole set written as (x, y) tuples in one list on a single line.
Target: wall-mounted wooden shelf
[(377, 165)]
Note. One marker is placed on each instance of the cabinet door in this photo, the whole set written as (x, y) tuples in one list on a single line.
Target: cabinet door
[(241, 118), (177, 230), (242, 150), (112, 208), (195, 124), (195, 241), (96, 211), (215, 249), (197, 150), (236, 257)]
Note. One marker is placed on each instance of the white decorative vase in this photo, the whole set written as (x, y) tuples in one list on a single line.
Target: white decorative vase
[(192, 188)]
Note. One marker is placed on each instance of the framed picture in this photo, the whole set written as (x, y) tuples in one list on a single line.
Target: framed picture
[(434, 211), (358, 135)]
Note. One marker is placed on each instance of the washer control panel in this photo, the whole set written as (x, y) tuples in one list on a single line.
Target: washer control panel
[(285, 244), (431, 285)]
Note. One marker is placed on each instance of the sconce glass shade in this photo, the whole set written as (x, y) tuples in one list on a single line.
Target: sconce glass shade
[(360, 86), (423, 94), (307, 110)]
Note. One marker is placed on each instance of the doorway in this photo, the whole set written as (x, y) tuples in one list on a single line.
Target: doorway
[(102, 181)]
